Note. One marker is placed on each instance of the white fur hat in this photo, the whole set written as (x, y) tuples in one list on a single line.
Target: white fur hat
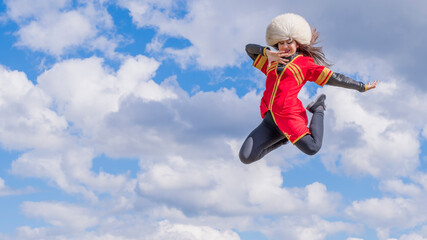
[(288, 26)]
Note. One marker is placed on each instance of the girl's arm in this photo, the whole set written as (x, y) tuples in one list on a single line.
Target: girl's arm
[(340, 80), (253, 50)]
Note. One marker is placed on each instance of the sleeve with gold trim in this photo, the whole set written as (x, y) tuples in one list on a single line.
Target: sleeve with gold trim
[(261, 63), (257, 53), (316, 73), (253, 50)]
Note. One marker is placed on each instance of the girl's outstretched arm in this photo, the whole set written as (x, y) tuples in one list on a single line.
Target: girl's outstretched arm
[(340, 80)]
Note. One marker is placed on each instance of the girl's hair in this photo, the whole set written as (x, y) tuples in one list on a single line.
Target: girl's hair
[(315, 52)]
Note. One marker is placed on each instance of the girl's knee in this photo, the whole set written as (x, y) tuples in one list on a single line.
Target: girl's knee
[(311, 152), (246, 160), (308, 145), (313, 149), (246, 151)]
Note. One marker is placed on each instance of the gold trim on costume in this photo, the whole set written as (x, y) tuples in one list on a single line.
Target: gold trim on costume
[(276, 85), (296, 140), (296, 71), (272, 67), (263, 51), (324, 77), (259, 62)]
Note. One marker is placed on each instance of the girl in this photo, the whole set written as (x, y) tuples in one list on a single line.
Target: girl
[(296, 62)]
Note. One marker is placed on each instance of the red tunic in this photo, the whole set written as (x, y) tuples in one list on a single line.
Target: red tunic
[(281, 92)]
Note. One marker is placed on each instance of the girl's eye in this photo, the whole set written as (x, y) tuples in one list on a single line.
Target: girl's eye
[(290, 41)]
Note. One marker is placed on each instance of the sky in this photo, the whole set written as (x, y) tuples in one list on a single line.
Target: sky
[(122, 120)]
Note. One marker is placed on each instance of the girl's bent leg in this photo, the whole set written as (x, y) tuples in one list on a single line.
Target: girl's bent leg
[(262, 140), (311, 143)]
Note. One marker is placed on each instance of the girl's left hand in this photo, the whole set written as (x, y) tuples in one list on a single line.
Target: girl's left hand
[(373, 85)]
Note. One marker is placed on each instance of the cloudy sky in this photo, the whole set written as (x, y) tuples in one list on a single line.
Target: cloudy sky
[(122, 120)]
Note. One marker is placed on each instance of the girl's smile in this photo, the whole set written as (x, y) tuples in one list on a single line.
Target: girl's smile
[(288, 47)]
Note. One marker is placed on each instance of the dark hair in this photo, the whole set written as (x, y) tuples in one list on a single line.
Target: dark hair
[(315, 52)]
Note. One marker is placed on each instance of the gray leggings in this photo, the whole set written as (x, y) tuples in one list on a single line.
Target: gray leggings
[(267, 137)]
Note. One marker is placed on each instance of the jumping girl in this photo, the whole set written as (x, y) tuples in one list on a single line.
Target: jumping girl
[(288, 69)]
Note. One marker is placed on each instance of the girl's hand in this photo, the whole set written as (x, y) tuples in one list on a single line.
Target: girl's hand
[(275, 57), (373, 85)]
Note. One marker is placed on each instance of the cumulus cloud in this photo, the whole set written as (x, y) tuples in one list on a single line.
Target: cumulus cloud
[(306, 228), (26, 115), (70, 170), (399, 188), (60, 214), (85, 90), (191, 232), (128, 228), (54, 28), (388, 212), (82, 92), (69, 29), (381, 131), (206, 186), (404, 211), (208, 26), (412, 236)]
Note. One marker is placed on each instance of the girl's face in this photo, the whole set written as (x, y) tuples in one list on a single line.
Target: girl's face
[(289, 47)]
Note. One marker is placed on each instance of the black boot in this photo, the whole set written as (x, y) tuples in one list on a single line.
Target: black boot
[(318, 103)]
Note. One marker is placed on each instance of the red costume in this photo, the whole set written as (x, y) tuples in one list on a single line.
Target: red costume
[(281, 92)]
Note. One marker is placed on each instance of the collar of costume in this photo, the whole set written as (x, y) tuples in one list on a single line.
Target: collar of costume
[(290, 58)]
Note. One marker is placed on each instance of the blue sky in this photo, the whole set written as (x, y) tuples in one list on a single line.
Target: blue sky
[(123, 120)]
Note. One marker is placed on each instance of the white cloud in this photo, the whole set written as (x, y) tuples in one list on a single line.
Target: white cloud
[(61, 214), (190, 232), (56, 33), (205, 186), (388, 213), (70, 170), (28, 233), (378, 142), (187, 126), (54, 28), (413, 236), (217, 32), (307, 228), (85, 91), (19, 10), (27, 120), (399, 188), (374, 133), (115, 228)]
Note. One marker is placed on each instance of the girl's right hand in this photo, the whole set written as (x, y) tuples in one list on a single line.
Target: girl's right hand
[(275, 57)]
